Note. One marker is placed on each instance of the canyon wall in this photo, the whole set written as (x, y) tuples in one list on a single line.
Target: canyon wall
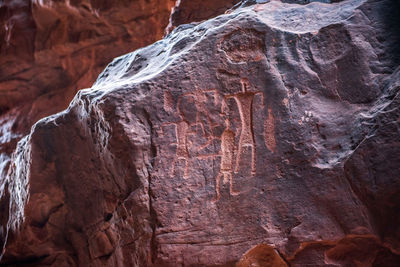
[(51, 49), (268, 135)]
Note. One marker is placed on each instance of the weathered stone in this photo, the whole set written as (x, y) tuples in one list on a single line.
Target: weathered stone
[(51, 49), (261, 255), (276, 124), (352, 250)]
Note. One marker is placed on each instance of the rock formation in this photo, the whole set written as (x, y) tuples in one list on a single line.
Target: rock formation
[(268, 135), (51, 49)]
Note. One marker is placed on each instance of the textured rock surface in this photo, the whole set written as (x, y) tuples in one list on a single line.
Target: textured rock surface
[(261, 255), (51, 49), (187, 11), (274, 127)]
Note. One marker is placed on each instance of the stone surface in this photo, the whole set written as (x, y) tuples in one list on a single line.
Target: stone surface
[(187, 11), (51, 49), (274, 127), (352, 250), (261, 255)]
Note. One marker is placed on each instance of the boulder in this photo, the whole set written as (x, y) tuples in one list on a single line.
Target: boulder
[(268, 134)]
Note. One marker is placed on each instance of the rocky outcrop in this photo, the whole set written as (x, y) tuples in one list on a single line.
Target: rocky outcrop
[(51, 49), (261, 255), (269, 134), (352, 250)]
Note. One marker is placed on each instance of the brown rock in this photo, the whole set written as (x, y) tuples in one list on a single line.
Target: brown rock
[(100, 245), (251, 128), (51, 49), (261, 256), (352, 250)]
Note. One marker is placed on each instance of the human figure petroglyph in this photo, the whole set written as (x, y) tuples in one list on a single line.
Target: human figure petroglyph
[(193, 118), (194, 121), (227, 161), (182, 130), (269, 131), (182, 152), (244, 101), (231, 151)]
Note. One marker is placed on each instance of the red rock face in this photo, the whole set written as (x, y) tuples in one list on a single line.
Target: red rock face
[(251, 138), (51, 49)]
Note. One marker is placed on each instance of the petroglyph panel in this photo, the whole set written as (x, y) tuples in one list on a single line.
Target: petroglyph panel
[(218, 127), (195, 125)]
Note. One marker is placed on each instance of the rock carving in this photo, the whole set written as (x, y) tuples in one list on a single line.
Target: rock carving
[(244, 101)]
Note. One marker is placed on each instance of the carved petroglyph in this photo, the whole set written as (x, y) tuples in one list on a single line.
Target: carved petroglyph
[(269, 131), (227, 149), (194, 120), (168, 102), (198, 117), (182, 152), (231, 151), (227, 161), (244, 101)]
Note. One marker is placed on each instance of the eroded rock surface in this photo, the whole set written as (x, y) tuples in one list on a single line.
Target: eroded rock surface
[(274, 127), (51, 49)]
